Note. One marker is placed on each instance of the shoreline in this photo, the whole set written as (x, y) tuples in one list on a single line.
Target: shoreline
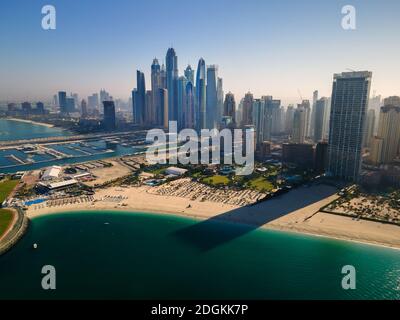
[(12, 224), (200, 218), (15, 232), (32, 122), (307, 220)]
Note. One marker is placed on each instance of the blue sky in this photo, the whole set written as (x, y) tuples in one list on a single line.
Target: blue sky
[(268, 47)]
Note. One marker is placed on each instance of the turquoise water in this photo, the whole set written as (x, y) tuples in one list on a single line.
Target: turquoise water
[(17, 130), (144, 256)]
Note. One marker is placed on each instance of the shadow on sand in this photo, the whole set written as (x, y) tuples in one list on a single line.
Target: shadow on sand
[(211, 233)]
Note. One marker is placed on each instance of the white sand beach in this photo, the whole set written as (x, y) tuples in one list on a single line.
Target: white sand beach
[(296, 211)]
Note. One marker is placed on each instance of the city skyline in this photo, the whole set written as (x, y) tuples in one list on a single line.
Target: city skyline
[(286, 60)]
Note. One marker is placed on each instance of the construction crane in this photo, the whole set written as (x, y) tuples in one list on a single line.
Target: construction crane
[(301, 97)]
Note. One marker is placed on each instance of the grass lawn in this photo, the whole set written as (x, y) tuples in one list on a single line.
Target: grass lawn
[(156, 171), (6, 187), (6, 217), (261, 184), (197, 175), (215, 180)]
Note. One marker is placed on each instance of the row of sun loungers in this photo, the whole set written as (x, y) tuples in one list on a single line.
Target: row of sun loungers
[(196, 191)]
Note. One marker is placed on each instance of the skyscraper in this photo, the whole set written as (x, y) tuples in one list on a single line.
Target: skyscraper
[(189, 74), (369, 128), (389, 131), (392, 101), (321, 157), (181, 95), (189, 117), (109, 115), (189, 107), (104, 95), (247, 112), (134, 99), (350, 95), (230, 107), (75, 96), (148, 111), (172, 82), (163, 77), (55, 100), (305, 104), (211, 97), (26, 107), (40, 108), (274, 109), (289, 120), (312, 120), (376, 151), (327, 117), (164, 107), (220, 99), (299, 125), (93, 101), (258, 113), (139, 99), (62, 100), (70, 104), (319, 113), (155, 87), (201, 95), (84, 111)]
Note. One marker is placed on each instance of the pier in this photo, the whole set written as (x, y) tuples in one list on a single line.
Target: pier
[(75, 138)]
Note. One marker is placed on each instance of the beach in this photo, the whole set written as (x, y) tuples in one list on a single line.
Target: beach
[(32, 122), (296, 211)]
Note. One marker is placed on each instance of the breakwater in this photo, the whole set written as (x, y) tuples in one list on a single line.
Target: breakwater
[(17, 232)]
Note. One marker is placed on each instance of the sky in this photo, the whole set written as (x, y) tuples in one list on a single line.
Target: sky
[(283, 48)]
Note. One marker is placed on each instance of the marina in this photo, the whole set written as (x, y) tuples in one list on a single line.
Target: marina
[(50, 149)]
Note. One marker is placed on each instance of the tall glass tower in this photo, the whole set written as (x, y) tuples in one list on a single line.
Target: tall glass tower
[(172, 84), (201, 95), (155, 91), (350, 96), (211, 97), (139, 102)]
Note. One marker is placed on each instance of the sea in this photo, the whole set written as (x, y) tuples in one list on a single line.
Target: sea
[(123, 255)]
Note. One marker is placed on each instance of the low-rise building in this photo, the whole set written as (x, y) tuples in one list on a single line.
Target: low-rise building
[(175, 171), (51, 173)]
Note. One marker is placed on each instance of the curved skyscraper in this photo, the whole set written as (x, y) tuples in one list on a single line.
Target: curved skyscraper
[(201, 95), (172, 84), (189, 74)]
